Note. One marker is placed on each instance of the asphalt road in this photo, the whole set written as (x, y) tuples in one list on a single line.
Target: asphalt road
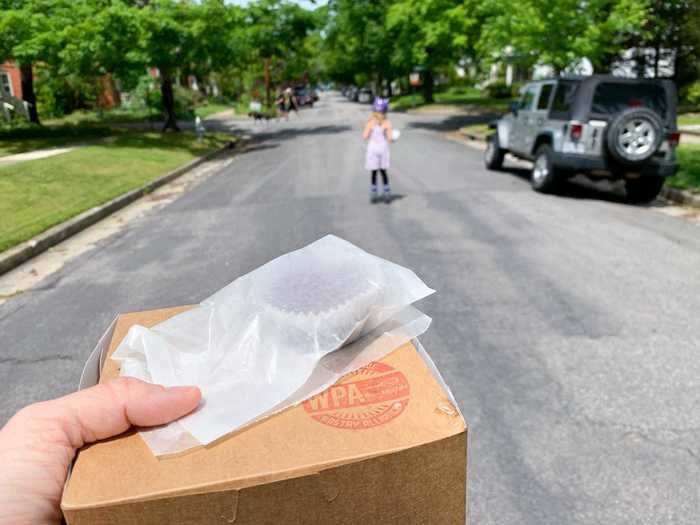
[(567, 326)]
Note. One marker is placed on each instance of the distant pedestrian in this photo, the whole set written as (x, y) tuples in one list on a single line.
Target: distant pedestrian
[(379, 135), (287, 102)]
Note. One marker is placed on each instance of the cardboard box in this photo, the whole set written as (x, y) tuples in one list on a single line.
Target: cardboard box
[(386, 444)]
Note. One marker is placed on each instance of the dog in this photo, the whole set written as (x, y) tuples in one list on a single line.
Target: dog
[(259, 116)]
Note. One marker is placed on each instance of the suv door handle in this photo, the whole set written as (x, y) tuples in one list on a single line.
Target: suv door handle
[(540, 121)]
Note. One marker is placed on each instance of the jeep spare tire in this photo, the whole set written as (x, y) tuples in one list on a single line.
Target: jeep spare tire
[(634, 135)]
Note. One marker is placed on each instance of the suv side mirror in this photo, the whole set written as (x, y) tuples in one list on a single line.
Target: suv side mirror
[(514, 106)]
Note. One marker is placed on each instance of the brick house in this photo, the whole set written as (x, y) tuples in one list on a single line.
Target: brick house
[(10, 80)]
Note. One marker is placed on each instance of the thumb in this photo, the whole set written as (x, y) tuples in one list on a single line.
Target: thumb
[(109, 409)]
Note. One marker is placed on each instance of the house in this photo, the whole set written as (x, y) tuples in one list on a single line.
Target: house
[(10, 80)]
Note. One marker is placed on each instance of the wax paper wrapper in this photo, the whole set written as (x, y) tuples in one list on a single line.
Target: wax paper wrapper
[(256, 346)]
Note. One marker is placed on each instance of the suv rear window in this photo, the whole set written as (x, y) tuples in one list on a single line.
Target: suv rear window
[(563, 100), (613, 97)]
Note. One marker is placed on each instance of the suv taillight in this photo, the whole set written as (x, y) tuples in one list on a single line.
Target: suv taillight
[(576, 131), (674, 138)]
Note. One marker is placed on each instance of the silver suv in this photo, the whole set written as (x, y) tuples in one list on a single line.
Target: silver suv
[(600, 126)]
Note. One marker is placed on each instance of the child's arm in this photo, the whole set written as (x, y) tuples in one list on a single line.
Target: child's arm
[(368, 129), (388, 132)]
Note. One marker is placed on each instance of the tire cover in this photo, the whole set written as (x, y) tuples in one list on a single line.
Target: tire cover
[(643, 132)]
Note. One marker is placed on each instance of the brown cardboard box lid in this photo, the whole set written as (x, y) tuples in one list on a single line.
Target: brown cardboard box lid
[(299, 441)]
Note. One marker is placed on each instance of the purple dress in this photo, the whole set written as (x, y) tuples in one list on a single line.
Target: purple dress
[(377, 156)]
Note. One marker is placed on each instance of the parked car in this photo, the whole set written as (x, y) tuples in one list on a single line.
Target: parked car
[(600, 126), (303, 96), (365, 96), (353, 93)]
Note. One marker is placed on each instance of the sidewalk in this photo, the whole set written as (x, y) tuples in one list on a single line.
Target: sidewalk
[(36, 154)]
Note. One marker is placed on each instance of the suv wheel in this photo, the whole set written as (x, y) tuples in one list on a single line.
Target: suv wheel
[(634, 135), (494, 154), (544, 177), (643, 189)]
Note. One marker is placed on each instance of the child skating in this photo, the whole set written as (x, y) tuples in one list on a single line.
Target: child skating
[(379, 134)]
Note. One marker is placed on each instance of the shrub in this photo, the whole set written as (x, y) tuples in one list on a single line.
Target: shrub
[(692, 94), (498, 89)]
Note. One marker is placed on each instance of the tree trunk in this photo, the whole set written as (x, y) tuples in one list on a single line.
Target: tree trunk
[(28, 95), (166, 90), (388, 88), (268, 102), (428, 85)]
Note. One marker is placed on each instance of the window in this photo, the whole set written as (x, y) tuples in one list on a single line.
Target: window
[(563, 100), (5, 85), (545, 95), (613, 97), (527, 99)]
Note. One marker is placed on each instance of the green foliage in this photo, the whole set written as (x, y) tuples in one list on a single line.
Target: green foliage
[(39, 194), (556, 32), (688, 177), (498, 89), (692, 94), (430, 34)]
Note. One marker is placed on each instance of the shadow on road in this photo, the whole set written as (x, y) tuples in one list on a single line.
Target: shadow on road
[(453, 122), (252, 148), (291, 133), (581, 188), (394, 197)]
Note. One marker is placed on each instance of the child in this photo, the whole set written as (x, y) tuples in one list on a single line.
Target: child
[(379, 134)]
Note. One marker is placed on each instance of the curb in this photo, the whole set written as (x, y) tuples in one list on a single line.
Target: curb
[(680, 197), (21, 253)]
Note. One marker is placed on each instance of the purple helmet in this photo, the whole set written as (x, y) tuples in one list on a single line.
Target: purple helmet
[(381, 105)]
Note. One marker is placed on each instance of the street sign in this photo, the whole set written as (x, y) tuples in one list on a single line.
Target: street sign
[(414, 79)]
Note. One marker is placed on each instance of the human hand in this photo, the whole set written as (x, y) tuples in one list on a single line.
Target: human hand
[(39, 443)]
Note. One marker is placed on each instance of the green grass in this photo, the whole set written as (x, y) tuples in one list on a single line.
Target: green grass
[(39, 194), (689, 119), (211, 109), (81, 127), (112, 116), (29, 138), (688, 177), (470, 98)]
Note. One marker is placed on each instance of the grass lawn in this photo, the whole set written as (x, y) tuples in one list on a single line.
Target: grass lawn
[(689, 119), (82, 127), (19, 140), (467, 97), (688, 177), (211, 109), (39, 194)]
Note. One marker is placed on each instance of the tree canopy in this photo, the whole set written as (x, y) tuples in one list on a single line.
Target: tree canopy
[(273, 43)]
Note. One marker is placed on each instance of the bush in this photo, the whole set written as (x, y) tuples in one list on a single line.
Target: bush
[(498, 89), (692, 94), (147, 94)]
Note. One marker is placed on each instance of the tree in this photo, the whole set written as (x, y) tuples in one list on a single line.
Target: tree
[(103, 40), (275, 31), (358, 44), (168, 43), (29, 32), (557, 32), (218, 31), (429, 34)]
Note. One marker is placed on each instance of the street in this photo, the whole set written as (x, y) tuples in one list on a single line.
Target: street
[(566, 325)]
